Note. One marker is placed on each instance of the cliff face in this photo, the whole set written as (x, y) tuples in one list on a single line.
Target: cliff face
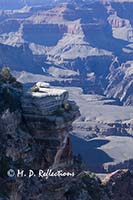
[(44, 121), (48, 116), (80, 36), (119, 185), (34, 134), (120, 83), (34, 128)]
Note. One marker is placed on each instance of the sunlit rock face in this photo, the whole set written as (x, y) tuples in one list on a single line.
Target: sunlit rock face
[(120, 83)]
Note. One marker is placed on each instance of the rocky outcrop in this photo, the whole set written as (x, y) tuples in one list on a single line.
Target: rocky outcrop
[(34, 134), (34, 127), (117, 22), (115, 186), (48, 116), (45, 117), (71, 36), (119, 185)]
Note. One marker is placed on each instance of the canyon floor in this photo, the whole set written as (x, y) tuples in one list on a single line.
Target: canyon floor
[(113, 148)]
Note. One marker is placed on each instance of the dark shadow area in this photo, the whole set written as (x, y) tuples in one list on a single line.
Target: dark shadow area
[(11, 4), (9, 26), (100, 36), (92, 157), (124, 10), (20, 59), (97, 30), (86, 11), (44, 34)]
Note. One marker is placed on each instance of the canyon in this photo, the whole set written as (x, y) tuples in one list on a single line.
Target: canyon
[(71, 45), (69, 36), (67, 101), (35, 128)]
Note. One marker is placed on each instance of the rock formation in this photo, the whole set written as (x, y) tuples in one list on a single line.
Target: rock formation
[(34, 134), (34, 126), (45, 116), (67, 36), (120, 83), (48, 115), (119, 185), (69, 44)]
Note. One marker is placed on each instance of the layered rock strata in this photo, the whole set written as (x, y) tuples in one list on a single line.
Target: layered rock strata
[(119, 185), (34, 133), (120, 83), (48, 116)]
